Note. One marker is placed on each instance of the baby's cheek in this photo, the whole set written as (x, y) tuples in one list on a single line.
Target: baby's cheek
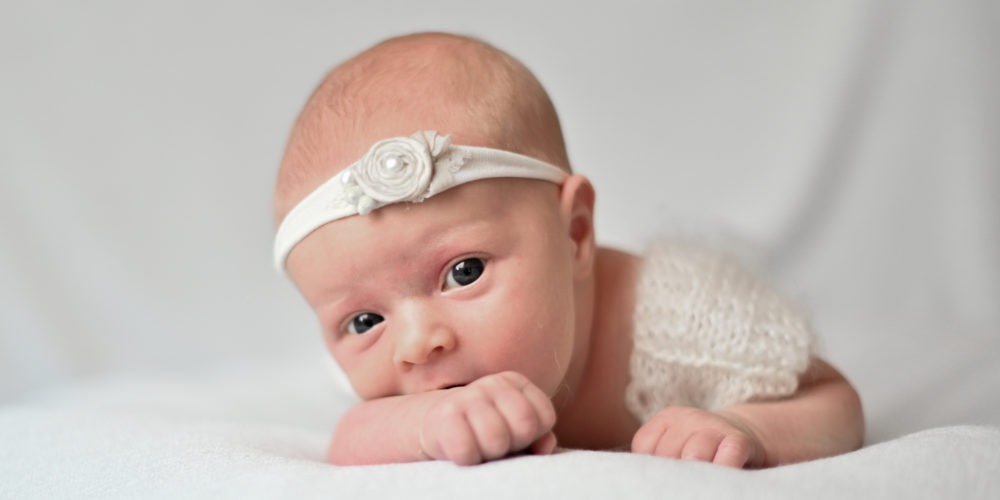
[(546, 363), (367, 387), (366, 380)]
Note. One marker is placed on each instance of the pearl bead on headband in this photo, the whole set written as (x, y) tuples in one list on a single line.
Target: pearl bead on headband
[(402, 169)]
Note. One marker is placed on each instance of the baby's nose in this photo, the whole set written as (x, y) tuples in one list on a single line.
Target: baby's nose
[(420, 337)]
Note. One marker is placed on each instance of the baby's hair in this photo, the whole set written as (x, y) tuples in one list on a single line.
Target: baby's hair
[(444, 82)]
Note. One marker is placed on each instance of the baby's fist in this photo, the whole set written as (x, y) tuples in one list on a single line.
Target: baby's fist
[(488, 419), (694, 434)]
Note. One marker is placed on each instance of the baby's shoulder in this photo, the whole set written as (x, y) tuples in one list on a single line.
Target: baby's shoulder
[(615, 270), (613, 259), (615, 277)]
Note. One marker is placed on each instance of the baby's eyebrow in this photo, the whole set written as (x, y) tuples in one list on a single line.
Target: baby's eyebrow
[(330, 300), (443, 245), (442, 242)]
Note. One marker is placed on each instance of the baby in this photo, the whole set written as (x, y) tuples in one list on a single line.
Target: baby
[(430, 217)]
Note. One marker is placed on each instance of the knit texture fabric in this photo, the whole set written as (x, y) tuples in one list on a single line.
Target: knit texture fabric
[(709, 333)]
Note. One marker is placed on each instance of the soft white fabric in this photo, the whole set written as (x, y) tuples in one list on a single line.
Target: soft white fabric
[(260, 431), (710, 333)]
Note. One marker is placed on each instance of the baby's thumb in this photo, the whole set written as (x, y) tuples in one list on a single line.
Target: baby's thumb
[(544, 445)]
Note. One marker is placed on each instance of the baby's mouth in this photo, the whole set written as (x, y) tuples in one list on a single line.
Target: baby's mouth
[(452, 386)]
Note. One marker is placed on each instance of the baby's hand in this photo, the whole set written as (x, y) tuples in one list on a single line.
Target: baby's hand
[(694, 434), (488, 419)]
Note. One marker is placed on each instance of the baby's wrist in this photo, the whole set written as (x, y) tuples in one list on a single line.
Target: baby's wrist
[(428, 399)]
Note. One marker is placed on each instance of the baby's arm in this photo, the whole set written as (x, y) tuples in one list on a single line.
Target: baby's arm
[(822, 418), (488, 419)]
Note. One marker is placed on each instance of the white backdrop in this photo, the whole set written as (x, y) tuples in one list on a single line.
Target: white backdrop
[(855, 142)]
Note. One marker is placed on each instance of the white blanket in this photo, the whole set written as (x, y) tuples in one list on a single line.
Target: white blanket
[(260, 431)]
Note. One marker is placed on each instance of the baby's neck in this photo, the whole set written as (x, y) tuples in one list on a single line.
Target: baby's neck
[(594, 415)]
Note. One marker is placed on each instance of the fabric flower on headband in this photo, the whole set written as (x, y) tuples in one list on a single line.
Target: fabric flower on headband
[(400, 169)]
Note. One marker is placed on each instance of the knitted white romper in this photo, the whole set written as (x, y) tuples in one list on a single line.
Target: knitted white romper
[(708, 333)]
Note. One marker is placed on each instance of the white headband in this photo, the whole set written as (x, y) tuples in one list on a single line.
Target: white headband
[(402, 169)]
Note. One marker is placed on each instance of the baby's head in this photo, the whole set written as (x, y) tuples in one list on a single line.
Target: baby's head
[(492, 272)]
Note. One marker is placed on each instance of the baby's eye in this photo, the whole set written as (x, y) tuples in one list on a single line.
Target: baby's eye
[(464, 273), (364, 322)]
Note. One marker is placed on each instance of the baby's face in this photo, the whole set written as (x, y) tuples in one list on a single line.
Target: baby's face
[(474, 281)]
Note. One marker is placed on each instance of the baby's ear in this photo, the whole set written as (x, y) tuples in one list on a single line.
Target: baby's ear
[(576, 204)]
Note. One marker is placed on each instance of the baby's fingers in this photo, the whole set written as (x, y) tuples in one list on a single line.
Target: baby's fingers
[(734, 451), (521, 416), (534, 395), (701, 447), (454, 440), (492, 434), (544, 445), (648, 436), (541, 404)]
